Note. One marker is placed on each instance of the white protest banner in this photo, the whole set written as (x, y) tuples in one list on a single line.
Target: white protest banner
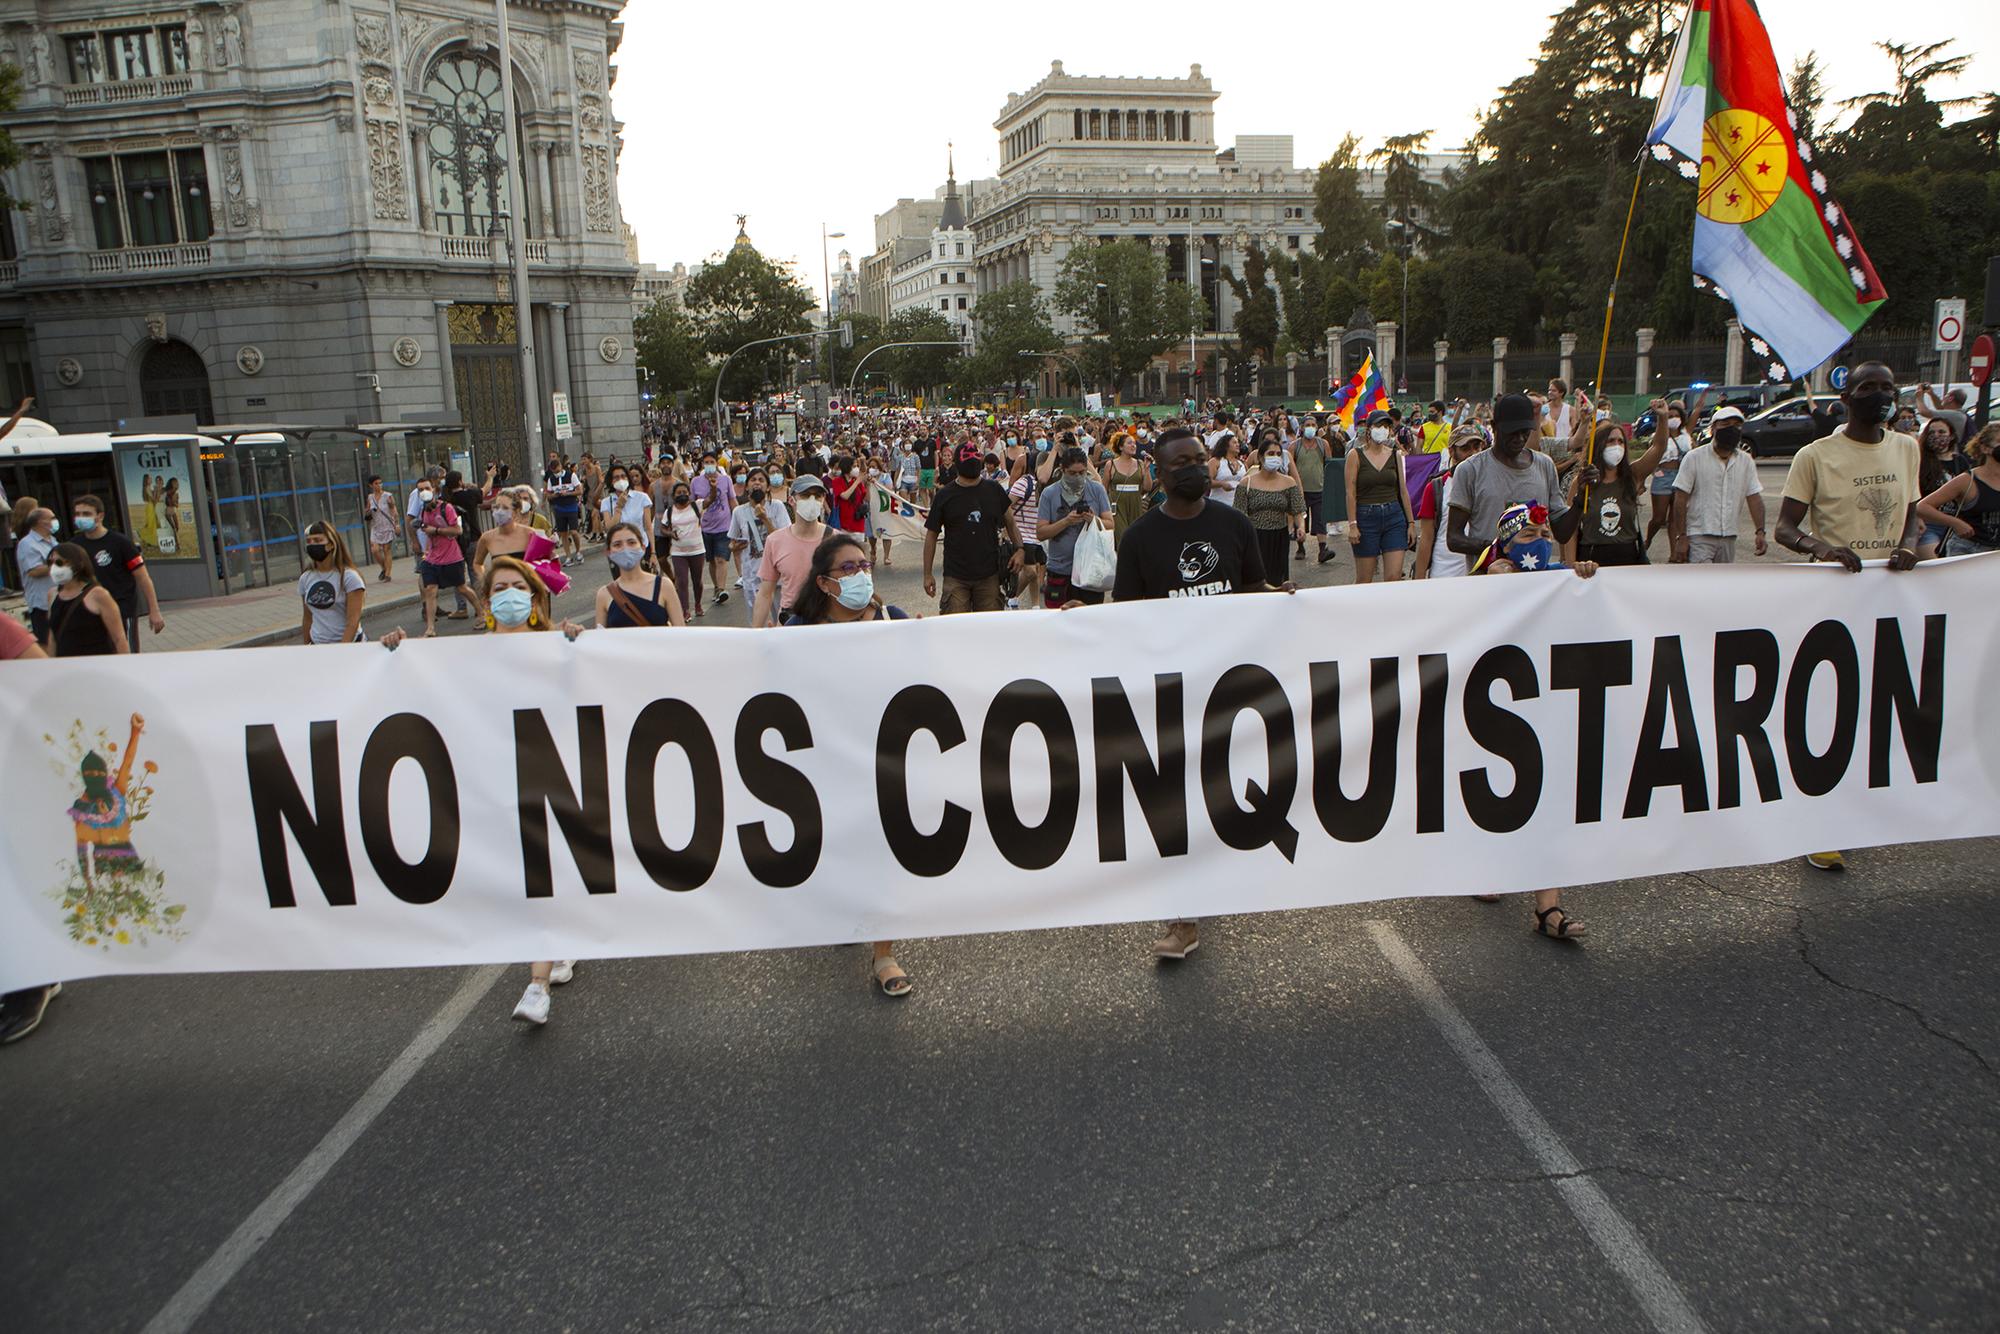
[(663, 791)]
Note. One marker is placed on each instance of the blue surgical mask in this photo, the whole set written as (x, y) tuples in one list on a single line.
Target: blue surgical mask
[(628, 558), (512, 606), (85, 523), (857, 590)]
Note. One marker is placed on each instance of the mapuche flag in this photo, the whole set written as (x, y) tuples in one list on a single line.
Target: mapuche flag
[(1767, 230), (1364, 392)]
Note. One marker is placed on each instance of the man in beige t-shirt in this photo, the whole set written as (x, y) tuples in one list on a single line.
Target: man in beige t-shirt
[(1857, 491)]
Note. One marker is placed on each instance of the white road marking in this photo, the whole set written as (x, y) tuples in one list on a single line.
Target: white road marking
[(186, 1306), (1666, 1306)]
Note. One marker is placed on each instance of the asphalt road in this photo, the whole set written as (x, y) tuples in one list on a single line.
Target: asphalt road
[(1759, 1099)]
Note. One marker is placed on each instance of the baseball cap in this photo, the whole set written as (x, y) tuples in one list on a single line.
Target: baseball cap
[(1513, 412), (968, 450), (805, 482), (1379, 415), (1725, 414)]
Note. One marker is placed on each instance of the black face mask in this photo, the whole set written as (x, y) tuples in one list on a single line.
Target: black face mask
[(1871, 409), (317, 550), (1728, 437), (968, 468), (1189, 481)]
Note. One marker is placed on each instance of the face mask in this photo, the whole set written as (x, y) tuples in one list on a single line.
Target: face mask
[(512, 606), (621, 485), (1535, 555), (874, 472), (1190, 481), (61, 574), (1673, 425), (1041, 443), (1379, 434), (741, 478), (86, 523), (810, 509), (757, 496), (1604, 414), (424, 496), (317, 551), (1612, 455), (857, 590), (681, 501), (708, 470), (1726, 437), (1275, 464), (628, 558), (55, 524), (1012, 441), (503, 517), (1311, 431), (1072, 487), (777, 479)]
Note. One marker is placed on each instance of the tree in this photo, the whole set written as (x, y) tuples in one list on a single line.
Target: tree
[(921, 368), (1259, 318), (1350, 229), (1008, 320), (743, 298), (840, 359), (1120, 290), (668, 344), (1405, 192), (1805, 94)]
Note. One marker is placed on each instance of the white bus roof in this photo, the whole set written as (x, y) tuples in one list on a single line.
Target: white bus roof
[(15, 445)]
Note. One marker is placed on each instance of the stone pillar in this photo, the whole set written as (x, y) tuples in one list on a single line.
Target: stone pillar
[(559, 359), (1221, 389), (1336, 356), (1643, 375), (1291, 375), (448, 396), (1732, 353), (1499, 367), (420, 161), (1440, 350), (547, 163), (1567, 342), (1256, 378), (1385, 352)]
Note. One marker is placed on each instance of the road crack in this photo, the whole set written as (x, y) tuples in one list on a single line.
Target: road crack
[(1924, 1021)]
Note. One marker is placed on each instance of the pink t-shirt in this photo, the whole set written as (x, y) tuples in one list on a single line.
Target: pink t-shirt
[(788, 559), (442, 550), (14, 638)]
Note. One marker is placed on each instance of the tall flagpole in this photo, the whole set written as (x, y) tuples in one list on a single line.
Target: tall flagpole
[(517, 245), (1610, 304)]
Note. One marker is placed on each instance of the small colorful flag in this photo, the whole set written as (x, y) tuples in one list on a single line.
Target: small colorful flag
[(1364, 392), (1767, 230)]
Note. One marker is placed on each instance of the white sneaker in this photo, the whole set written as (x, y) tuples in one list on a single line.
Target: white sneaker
[(534, 1006), (564, 970)]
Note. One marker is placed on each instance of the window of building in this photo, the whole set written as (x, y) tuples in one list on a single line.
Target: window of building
[(148, 199), (1185, 135), (961, 277), (1077, 131), (944, 303), (961, 303), (468, 178), (1293, 213), (1131, 125), (961, 249), (1115, 125), (127, 53), (1097, 124), (1167, 126), (1292, 242)]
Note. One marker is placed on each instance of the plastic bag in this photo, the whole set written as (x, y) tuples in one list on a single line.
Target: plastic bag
[(1094, 563)]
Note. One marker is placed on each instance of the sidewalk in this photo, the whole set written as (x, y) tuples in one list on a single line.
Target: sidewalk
[(243, 620)]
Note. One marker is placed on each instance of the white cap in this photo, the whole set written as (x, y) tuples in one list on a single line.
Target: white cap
[(1725, 414)]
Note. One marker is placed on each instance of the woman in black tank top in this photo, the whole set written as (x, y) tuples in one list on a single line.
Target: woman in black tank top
[(634, 598), (84, 621), (1974, 522)]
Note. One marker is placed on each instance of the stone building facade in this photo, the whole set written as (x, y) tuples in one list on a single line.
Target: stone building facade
[(942, 274), (293, 210)]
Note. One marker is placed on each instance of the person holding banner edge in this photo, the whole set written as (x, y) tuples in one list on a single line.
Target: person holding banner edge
[(1188, 546), (1857, 490), (517, 601)]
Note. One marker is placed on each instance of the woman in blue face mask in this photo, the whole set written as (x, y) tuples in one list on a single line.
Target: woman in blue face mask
[(517, 601), (635, 596), (839, 589)]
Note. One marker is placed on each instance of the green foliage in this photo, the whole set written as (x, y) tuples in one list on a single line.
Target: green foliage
[(743, 298), (1350, 227), (1007, 319), (668, 344), (1120, 292), (920, 368), (1259, 321)]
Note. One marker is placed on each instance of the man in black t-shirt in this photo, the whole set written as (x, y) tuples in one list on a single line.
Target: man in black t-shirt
[(1188, 547), (120, 566), (926, 468), (970, 513)]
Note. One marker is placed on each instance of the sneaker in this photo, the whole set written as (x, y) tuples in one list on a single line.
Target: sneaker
[(721, 598), (21, 1012), (534, 1006), (1179, 942), (564, 970), (1826, 861), (1325, 555)]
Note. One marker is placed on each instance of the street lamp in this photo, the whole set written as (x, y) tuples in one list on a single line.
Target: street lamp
[(1409, 236), (826, 267)]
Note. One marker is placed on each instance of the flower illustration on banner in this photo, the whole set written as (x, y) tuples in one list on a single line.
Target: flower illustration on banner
[(110, 895)]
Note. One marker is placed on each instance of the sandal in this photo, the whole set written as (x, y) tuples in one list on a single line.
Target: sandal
[(890, 976), (1566, 929)]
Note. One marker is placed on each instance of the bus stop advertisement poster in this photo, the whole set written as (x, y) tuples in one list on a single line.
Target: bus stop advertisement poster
[(158, 485)]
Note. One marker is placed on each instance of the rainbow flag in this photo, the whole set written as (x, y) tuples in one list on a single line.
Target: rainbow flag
[(1364, 392)]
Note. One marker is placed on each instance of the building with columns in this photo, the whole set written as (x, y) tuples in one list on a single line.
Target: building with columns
[(297, 210), (941, 275), (1086, 158)]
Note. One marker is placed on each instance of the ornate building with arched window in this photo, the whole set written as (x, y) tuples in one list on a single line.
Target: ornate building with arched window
[(291, 212)]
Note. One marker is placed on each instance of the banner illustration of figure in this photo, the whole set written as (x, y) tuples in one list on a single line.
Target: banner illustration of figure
[(113, 895)]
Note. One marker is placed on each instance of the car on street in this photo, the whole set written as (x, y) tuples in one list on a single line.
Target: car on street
[(1749, 397), (1786, 427)]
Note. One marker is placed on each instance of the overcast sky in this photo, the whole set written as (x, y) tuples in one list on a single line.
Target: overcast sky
[(802, 115)]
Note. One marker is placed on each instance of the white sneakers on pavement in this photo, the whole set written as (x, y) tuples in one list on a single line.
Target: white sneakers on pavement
[(534, 1005), (564, 970)]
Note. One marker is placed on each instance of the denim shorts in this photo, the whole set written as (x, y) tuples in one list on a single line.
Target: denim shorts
[(716, 545), (1383, 529)]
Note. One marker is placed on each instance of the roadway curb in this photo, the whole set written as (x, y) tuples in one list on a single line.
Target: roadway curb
[(290, 634)]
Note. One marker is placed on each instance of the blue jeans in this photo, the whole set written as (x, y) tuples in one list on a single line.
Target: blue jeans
[(1383, 529)]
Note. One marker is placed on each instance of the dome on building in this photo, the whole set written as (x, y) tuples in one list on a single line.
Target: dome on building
[(742, 232)]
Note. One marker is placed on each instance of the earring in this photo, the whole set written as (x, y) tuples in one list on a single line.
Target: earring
[(534, 619)]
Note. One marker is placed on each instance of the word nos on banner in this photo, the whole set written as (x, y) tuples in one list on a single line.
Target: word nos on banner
[(657, 792)]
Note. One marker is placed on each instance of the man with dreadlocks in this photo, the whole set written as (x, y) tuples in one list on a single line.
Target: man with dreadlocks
[(103, 817)]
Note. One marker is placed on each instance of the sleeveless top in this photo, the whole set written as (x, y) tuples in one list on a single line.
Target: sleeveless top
[(1610, 515), (1376, 486), (77, 631), (1982, 512), (616, 618)]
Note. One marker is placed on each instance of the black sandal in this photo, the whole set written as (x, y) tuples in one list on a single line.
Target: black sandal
[(1567, 929)]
